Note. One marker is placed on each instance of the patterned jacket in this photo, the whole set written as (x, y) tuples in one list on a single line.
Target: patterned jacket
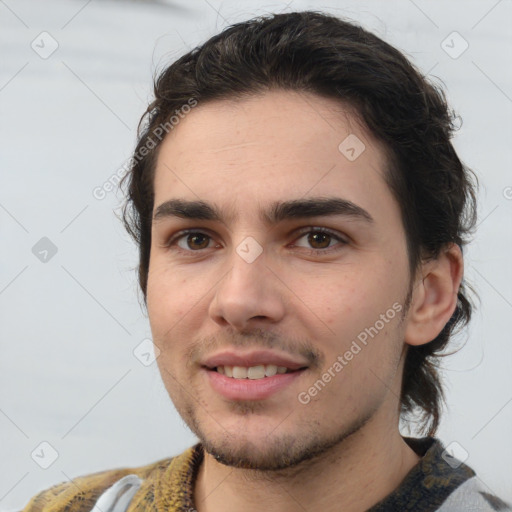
[(438, 482)]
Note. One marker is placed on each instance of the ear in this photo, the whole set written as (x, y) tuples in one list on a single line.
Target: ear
[(434, 296)]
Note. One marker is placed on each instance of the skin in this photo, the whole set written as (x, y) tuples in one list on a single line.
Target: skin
[(343, 449)]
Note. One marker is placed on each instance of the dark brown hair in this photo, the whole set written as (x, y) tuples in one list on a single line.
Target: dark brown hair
[(318, 53)]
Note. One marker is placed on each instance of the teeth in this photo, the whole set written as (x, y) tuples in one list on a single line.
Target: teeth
[(271, 369), (252, 372), (239, 372), (256, 372)]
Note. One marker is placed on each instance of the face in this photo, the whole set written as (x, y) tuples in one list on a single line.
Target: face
[(299, 262)]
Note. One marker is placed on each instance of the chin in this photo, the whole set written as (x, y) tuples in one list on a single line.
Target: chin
[(280, 453)]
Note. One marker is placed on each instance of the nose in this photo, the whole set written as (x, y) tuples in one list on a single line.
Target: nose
[(249, 293)]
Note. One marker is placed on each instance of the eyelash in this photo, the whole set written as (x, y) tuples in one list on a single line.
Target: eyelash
[(303, 232)]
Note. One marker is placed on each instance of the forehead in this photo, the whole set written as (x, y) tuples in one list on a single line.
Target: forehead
[(280, 145)]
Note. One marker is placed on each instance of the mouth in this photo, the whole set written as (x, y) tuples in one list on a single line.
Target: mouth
[(252, 375), (238, 383), (256, 372)]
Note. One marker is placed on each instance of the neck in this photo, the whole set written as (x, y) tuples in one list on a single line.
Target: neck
[(352, 476)]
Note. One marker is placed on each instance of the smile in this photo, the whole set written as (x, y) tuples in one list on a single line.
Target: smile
[(252, 372), (250, 383)]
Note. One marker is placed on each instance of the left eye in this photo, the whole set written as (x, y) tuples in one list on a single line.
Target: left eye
[(319, 239)]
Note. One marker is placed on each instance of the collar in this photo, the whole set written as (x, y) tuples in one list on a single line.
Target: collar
[(423, 489)]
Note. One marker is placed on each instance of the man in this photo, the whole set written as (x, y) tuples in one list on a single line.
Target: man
[(300, 214)]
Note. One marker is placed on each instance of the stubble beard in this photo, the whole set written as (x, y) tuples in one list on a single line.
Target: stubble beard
[(284, 454)]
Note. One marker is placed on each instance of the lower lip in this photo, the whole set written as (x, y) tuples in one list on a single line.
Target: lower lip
[(250, 389)]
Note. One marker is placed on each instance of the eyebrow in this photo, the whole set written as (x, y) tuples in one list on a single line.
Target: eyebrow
[(277, 212)]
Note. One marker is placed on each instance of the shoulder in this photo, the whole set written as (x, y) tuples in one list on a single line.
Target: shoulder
[(447, 482), (474, 495), (82, 493)]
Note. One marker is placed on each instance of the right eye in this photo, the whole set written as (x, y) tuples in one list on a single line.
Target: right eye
[(190, 241)]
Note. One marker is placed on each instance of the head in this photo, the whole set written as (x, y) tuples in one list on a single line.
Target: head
[(273, 111)]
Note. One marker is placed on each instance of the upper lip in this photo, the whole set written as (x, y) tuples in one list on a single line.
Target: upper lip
[(254, 358)]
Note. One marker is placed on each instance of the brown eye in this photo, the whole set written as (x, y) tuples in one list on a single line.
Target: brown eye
[(189, 241), (197, 241), (319, 240)]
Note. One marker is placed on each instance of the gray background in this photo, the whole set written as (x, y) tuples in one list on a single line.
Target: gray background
[(70, 324)]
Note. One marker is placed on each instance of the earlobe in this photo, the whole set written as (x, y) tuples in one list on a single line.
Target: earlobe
[(434, 296)]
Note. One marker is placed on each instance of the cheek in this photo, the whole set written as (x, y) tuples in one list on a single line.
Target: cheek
[(360, 309), (166, 299), (346, 303), (176, 308)]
